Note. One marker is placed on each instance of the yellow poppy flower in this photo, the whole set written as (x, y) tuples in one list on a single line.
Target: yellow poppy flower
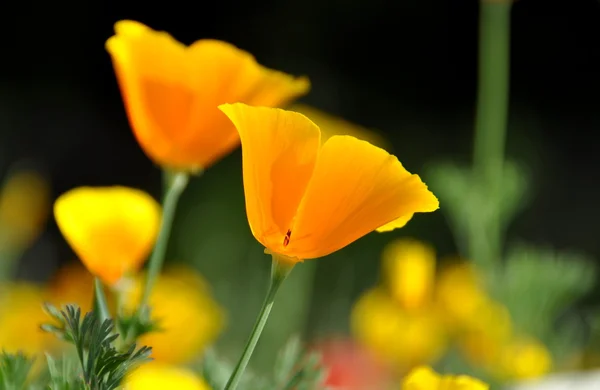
[(524, 358), (24, 208), (459, 295), (21, 315), (172, 91), (111, 229), (304, 200), (154, 376), (188, 317), (409, 272), (486, 333), (400, 338), (424, 378)]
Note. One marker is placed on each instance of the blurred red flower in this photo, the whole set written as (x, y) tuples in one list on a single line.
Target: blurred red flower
[(351, 367)]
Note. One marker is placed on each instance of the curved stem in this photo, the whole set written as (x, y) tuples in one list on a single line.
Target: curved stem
[(279, 272), (174, 190), (100, 305)]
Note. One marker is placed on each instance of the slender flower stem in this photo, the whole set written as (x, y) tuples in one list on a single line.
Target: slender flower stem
[(491, 121), (493, 89), (175, 188), (100, 305), (279, 272)]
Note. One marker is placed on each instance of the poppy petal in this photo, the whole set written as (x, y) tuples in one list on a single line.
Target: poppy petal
[(111, 229), (279, 151), (356, 188)]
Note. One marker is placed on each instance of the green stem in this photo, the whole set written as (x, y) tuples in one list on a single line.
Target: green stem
[(493, 91), (175, 188), (279, 272), (491, 121), (100, 305)]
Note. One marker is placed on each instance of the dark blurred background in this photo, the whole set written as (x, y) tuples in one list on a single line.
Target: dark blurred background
[(406, 68)]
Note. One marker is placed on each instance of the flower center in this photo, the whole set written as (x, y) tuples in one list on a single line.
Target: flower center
[(286, 239)]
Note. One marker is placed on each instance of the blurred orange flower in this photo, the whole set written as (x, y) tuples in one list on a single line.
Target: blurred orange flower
[(111, 229), (172, 91), (305, 200), (72, 284)]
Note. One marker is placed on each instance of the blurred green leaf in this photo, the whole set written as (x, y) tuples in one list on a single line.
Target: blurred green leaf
[(515, 192), (477, 216), (63, 375), (465, 200), (14, 371), (286, 360), (538, 285)]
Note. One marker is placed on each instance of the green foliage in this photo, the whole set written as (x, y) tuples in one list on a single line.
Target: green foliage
[(14, 371), (538, 285), (474, 212), (102, 366), (136, 325), (64, 376), (294, 369)]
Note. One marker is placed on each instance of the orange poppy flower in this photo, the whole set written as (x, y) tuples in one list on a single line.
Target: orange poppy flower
[(304, 200), (171, 92)]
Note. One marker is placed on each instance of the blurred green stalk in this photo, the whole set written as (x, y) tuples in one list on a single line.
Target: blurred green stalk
[(175, 184), (279, 272), (490, 123)]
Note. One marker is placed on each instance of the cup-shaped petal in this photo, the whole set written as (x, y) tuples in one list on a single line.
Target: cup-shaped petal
[(305, 200), (111, 229), (278, 155), (172, 91), (355, 188)]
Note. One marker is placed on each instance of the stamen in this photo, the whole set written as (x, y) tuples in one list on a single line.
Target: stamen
[(286, 239)]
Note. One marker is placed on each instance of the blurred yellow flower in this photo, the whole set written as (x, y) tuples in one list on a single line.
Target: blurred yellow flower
[(21, 315), (154, 376), (331, 125), (171, 92), (424, 378), (24, 208), (188, 316), (524, 358), (486, 333), (111, 229), (402, 338), (305, 200), (458, 294), (409, 272), (72, 284)]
